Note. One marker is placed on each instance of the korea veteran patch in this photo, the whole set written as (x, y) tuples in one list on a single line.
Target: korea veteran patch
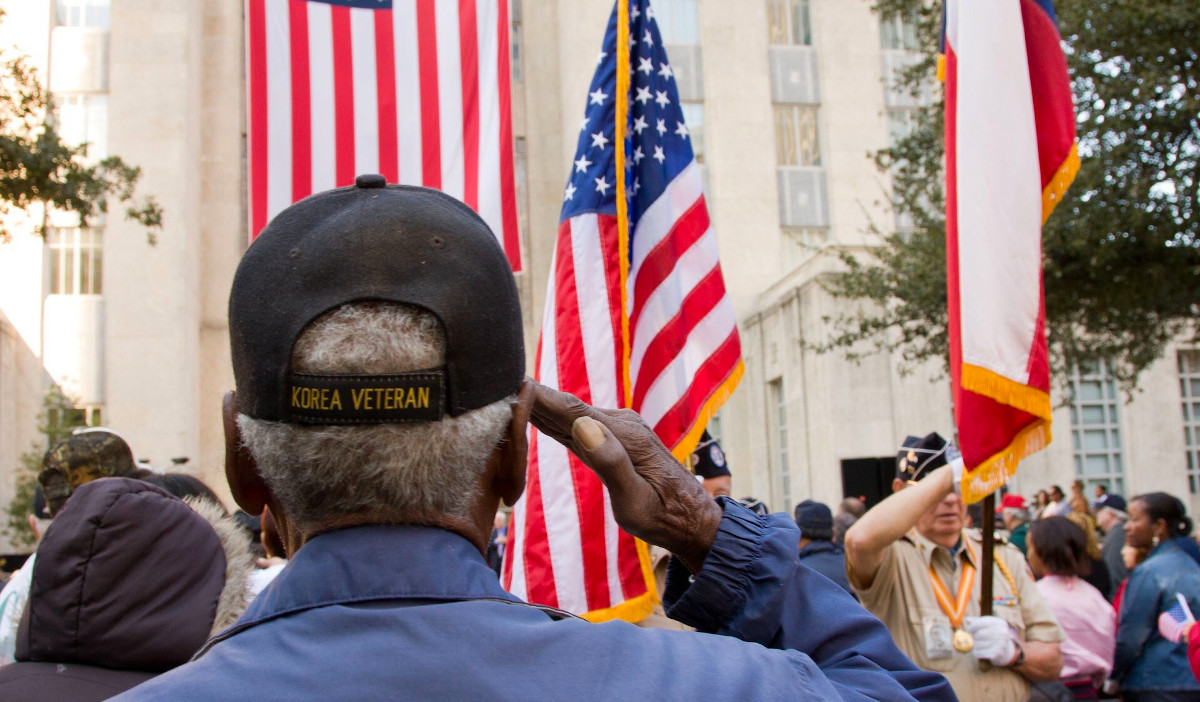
[(366, 399)]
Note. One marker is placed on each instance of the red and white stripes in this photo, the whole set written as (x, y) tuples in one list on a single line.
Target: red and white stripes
[(419, 92), (683, 334), (565, 549)]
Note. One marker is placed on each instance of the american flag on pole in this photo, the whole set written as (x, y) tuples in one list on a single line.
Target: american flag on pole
[(417, 90), (636, 316), (1010, 155)]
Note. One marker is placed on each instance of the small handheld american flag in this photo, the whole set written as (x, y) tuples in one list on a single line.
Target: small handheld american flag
[(1174, 623)]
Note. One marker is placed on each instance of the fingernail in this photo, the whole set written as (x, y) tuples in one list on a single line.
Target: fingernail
[(588, 432)]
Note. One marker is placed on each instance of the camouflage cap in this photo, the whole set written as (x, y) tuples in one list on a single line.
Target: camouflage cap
[(82, 458)]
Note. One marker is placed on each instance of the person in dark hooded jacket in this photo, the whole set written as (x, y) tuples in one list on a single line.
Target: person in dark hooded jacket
[(130, 582), (817, 550)]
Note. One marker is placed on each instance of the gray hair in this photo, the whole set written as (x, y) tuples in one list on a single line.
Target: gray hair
[(407, 473), (841, 524), (1119, 514), (1017, 513)]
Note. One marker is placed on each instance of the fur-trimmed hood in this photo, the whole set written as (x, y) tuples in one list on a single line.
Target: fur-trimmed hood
[(130, 577)]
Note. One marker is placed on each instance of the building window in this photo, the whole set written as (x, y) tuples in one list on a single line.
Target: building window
[(1189, 391), (82, 13), (801, 244), (76, 261), (900, 123), (82, 415), (796, 142), (693, 117), (789, 22), (521, 175), (778, 409), (1096, 428), (677, 22), (514, 41), (899, 33), (83, 119)]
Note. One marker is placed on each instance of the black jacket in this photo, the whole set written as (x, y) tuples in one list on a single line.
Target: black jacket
[(127, 584)]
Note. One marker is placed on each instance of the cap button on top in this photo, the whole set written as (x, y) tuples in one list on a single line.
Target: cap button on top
[(370, 180)]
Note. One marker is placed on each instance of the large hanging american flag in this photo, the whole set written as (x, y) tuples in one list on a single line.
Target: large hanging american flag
[(636, 316), (1010, 156), (418, 90)]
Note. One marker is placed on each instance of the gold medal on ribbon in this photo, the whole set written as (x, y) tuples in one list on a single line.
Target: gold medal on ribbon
[(956, 609), (963, 641)]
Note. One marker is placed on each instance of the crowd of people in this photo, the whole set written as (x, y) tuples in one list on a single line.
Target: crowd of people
[(1093, 599), (363, 563)]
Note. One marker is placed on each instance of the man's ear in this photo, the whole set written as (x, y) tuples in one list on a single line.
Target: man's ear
[(248, 489), (510, 455)]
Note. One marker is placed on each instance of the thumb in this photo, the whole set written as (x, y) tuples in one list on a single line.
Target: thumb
[(603, 453)]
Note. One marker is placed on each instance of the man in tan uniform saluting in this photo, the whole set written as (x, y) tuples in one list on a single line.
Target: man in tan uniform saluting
[(916, 568)]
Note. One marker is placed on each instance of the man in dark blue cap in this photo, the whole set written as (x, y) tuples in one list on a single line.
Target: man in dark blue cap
[(381, 412), (817, 550)]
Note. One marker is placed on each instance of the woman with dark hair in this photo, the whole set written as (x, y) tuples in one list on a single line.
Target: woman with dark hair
[(1058, 557), (1148, 666), (1040, 501)]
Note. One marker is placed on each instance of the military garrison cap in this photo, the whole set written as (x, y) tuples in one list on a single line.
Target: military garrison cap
[(375, 242), (918, 457), (708, 460), (81, 458)]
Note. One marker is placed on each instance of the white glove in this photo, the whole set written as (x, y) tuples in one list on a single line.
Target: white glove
[(994, 640)]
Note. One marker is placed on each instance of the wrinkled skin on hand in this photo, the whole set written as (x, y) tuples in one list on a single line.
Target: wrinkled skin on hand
[(653, 497)]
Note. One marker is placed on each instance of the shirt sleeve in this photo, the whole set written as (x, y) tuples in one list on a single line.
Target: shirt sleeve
[(753, 587), (1138, 620), (12, 606), (1193, 651), (887, 578)]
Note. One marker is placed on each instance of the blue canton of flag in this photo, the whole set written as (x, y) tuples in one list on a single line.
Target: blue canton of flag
[(658, 146)]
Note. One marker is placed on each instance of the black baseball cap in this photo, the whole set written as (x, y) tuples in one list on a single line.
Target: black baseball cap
[(815, 520), (375, 242)]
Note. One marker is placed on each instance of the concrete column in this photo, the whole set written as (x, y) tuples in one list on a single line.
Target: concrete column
[(154, 306)]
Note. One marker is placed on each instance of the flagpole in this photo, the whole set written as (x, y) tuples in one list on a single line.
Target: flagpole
[(989, 546), (621, 102)]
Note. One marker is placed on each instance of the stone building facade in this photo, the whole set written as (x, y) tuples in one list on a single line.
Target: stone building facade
[(786, 98)]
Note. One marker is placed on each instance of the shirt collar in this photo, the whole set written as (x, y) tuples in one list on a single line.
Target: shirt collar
[(819, 547), (927, 548), (379, 562)]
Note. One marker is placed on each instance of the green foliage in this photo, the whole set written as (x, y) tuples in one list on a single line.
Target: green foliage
[(58, 418), (1121, 253), (36, 167)]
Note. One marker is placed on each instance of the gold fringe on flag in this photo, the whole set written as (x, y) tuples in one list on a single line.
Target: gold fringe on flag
[(1053, 192), (982, 381), (995, 471)]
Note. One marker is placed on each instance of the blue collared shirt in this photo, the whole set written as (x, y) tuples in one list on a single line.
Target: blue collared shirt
[(407, 612)]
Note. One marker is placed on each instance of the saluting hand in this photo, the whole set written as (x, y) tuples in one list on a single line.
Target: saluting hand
[(653, 497)]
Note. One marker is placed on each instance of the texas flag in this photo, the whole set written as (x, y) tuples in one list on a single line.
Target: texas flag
[(1010, 155)]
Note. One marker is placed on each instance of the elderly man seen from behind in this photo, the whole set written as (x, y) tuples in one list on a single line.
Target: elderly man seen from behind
[(1111, 517), (381, 413)]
